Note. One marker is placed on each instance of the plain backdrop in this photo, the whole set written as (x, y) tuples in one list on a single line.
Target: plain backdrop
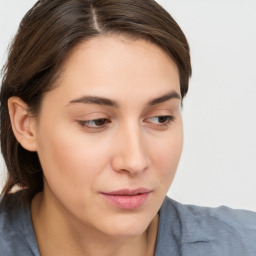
[(218, 165)]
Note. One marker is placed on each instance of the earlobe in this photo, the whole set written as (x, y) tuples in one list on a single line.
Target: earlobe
[(23, 123)]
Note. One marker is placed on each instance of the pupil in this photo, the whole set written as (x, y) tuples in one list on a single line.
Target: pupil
[(162, 119), (100, 122)]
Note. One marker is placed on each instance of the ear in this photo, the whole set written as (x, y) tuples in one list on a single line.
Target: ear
[(23, 123)]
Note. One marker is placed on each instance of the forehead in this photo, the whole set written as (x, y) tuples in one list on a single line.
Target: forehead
[(113, 66)]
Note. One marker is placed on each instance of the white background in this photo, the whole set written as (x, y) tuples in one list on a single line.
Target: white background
[(218, 164)]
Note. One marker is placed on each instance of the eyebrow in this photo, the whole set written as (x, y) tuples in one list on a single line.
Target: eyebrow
[(165, 97), (95, 100), (111, 103)]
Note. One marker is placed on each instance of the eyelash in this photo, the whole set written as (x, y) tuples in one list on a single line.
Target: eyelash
[(102, 122), (167, 120), (87, 123)]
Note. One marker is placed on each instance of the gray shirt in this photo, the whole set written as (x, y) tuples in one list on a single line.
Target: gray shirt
[(184, 230)]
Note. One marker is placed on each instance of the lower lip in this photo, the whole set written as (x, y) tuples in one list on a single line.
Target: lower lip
[(127, 202)]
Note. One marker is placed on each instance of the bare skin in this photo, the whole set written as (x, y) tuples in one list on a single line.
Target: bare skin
[(113, 122), (51, 243)]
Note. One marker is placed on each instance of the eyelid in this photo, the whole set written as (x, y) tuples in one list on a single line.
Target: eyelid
[(160, 125), (93, 115), (85, 124), (168, 117)]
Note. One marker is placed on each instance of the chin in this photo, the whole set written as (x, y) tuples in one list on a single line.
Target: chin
[(128, 225)]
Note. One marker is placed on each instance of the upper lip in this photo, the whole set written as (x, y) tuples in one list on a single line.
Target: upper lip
[(128, 192)]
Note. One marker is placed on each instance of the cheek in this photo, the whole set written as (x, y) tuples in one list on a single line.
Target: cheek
[(166, 155), (72, 160), (71, 170), (56, 154)]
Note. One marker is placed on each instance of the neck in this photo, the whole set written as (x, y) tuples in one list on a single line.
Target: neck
[(58, 233)]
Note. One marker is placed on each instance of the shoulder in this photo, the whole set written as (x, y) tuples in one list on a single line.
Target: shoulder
[(16, 229), (236, 220), (215, 231)]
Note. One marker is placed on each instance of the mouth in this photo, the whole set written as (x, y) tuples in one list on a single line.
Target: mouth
[(126, 198)]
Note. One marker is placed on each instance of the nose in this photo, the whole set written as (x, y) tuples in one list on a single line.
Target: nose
[(131, 151)]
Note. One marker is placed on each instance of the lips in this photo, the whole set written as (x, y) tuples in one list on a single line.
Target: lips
[(126, 198)]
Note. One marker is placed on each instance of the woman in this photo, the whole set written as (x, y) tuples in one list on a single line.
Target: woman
[(91, 134)]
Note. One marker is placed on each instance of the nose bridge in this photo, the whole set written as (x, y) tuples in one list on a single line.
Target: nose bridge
[(131, 155)]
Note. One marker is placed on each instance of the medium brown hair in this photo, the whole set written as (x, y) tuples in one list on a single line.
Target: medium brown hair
[(47, 33)]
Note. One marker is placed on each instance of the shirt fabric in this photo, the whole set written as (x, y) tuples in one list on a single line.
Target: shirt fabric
[(184, 230)]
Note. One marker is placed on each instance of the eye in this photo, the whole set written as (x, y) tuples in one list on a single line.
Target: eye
[(95, 123), (160, 121)]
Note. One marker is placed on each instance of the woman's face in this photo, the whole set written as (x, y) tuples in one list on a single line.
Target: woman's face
[(109, 136)]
